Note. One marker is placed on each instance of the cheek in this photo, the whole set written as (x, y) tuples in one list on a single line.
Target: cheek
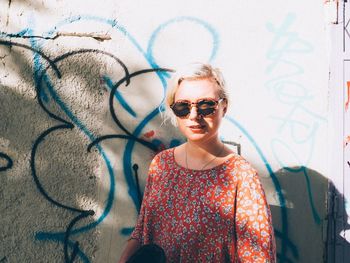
[(181, 125), (214, 123)]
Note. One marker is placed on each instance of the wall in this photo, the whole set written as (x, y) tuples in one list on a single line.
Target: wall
[(339, 84), (81, 84)]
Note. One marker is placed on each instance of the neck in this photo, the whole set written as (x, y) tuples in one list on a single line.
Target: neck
[(202, 149)]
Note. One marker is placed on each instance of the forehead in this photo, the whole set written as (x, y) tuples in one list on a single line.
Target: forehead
[(196, 89)]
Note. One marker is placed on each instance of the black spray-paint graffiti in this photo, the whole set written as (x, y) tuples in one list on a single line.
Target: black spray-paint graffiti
[(131, 138), (9, 162), (68, 125)]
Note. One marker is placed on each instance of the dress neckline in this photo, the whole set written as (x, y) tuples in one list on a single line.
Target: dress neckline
[(205, 170)]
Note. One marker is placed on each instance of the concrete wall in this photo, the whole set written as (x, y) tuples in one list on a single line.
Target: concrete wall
[(81, 83)]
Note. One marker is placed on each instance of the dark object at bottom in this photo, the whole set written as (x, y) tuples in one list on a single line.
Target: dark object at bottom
[(150, 253)]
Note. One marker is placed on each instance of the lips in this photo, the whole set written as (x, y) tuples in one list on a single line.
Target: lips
[(196, 127)]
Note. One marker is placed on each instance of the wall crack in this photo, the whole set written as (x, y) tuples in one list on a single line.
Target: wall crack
[(96, 36)]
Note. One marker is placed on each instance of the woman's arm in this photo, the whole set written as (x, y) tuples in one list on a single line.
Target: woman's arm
[(254, 231), (129, 250)]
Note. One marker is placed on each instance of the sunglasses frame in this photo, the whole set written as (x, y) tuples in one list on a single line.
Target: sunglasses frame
[(192, 104)]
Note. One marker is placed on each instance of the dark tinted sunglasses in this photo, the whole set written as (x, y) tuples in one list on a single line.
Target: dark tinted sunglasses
[(205, 107)]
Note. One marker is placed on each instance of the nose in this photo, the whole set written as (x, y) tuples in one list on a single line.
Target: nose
[(194, 113)]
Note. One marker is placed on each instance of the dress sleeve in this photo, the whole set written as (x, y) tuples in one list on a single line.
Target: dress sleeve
[(254, 231), (139, 227)]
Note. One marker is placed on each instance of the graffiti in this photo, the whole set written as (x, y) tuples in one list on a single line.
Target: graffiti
[(283, 235), (128, 135), (9, 161), (287, 90), (299, 124), (119, 97), (45, 89), (52, 64), (149, 134), (135, 167)]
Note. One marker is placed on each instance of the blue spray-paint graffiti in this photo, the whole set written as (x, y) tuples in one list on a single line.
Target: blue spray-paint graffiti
[(283, 235), (119, 97), (300, 124), (46, 91), (44, 95)]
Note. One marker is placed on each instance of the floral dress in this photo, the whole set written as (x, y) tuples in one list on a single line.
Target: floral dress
[(214, 215)]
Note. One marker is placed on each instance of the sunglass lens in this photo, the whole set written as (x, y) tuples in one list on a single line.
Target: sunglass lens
[(205, 112), (206, 107), (181, 109)]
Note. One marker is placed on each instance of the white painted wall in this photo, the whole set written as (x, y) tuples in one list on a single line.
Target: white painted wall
[(275, 59), (339, 131)]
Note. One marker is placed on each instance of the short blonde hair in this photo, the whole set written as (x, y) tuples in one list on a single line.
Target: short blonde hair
[(193, 71)]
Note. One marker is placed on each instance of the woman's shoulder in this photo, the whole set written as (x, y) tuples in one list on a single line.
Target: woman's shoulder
[(240, 166), (163, 156)]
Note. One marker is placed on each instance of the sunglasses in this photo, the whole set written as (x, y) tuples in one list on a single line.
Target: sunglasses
[(205, 107)]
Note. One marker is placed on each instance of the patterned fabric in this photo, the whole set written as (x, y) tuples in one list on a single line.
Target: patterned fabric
[(193, 214)]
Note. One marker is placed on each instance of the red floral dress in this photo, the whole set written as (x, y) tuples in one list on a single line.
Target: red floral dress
[(214, 215)]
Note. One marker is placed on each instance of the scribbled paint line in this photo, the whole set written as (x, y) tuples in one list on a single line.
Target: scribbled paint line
[(38, 79), (286, 42), (65, 125), (49, 237), (284, 217), (131, 184), (127, 166), (315, 214), (9, 161), (37, 71), (298, 169), (148, 56), (72, 117), (162, 27), (139, 128), (119, 97), (77, 122)]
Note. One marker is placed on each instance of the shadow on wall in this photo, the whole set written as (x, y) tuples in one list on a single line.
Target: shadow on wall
[(338, 227), (24, 211), (33, 229), (45, 129), (303, 227)]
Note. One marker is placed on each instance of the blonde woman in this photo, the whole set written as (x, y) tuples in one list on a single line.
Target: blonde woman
[(202, 201)]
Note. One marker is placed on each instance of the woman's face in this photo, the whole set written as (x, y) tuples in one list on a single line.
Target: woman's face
[(196, 127)]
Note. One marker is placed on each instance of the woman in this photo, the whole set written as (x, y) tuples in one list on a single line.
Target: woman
[(202, 201)]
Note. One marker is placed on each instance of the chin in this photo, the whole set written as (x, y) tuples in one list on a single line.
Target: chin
[(198, 137)]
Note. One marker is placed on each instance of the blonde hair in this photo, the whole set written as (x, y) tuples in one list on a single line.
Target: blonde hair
[(193, 71)]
